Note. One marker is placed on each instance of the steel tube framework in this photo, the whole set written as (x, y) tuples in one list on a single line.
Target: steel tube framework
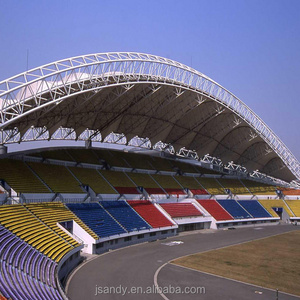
[(24, 93)]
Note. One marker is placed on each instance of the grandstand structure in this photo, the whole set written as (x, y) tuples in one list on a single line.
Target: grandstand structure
[(160, 148)]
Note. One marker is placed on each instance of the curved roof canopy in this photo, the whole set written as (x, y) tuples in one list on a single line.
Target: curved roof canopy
[(88, 97)]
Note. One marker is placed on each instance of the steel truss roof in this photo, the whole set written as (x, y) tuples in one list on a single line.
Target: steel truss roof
[(27, 98)]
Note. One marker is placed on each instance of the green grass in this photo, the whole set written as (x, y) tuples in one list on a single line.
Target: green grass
[(272, 262)]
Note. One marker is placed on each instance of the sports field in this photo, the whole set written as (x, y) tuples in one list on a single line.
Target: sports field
[(272, 262)]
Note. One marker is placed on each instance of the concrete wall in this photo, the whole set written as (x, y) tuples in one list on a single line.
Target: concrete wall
[(132, 240)]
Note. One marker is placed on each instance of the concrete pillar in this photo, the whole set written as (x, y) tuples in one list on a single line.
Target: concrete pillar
[(88, 144), (3, 149)]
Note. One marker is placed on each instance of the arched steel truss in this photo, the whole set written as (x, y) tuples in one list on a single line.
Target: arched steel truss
[(91, 73)]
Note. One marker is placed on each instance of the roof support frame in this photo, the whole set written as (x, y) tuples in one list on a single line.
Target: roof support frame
[(131, 67)]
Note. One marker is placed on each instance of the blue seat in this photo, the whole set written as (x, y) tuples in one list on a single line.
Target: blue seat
[(234, 209), (125, 215), (254, 208), (96, 218)]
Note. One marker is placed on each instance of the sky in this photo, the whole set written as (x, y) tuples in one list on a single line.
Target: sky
[(250, 47)]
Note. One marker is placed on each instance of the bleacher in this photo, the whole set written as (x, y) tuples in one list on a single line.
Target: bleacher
[(254, 208), (270, 204), (169, 184), (20, 221), (137, 161), (83, 156), (25, 273), (125, 215), (92, 178), (235, 186), (183, 167), (212, 186), (192, 184), (235, 210), (181, 210), (97, 219), (119, 180), (146, 181), (290, 192), (161, 164), (57, 177), (57, 154), (111, 158), (52, 213), (17, 174), (294, 205), (259, 188), (215, 209), (150, 213)]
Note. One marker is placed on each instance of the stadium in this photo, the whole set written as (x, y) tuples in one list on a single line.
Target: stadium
[(124, 149)]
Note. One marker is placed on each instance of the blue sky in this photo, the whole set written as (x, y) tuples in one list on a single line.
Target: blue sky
[(251, 47)]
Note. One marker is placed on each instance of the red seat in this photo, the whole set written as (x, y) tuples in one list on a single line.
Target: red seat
[(177, 210), (150, 213), (215, 209)]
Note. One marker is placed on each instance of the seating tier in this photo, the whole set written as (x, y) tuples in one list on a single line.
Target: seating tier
[(125, 215), (150, 213), (215, 209), (258, 188), (92, 178), (17, 174), (20, 221), (254, 208), (181, 210), (167, 182), (25, 273), (57, 177), (83, 156), (235, 210), (144, 180), (117, 179), (212, 186), (52, 213), (294, 206), (191, 183), (235, 186), (270, 204), (96, 218)]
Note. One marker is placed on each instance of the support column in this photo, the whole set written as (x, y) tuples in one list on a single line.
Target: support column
[(88, 144), (3, 149)]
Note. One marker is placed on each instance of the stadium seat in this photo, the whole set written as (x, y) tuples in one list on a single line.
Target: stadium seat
[(235, 186), (150, 213), (254, 208), (125, 215), (270, 204), (57, 177), (17, 217), (292, 192), (258, 188), (19, 176), (25, 273), (192, 184), (215, 209), (92, 178), (117, 179), (235, 210), (181, 210), (294, 205), (147, 182), (56, 212), (97, 219), (212, 186)]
